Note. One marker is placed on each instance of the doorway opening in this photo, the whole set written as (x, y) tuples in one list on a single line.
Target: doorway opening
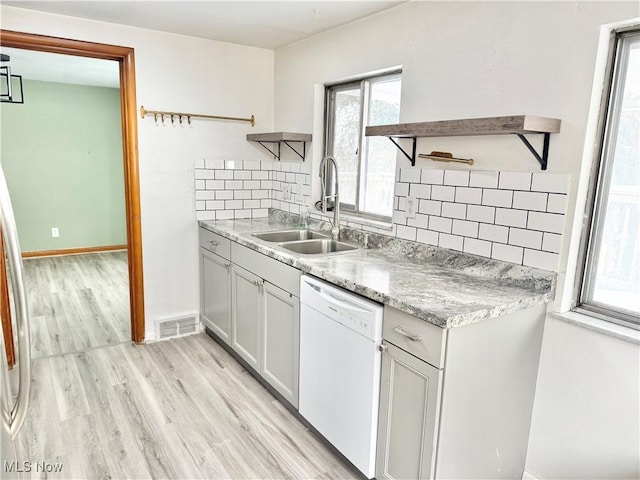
[(125, 58)]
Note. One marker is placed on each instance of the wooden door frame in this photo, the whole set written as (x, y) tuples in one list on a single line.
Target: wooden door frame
[(125, 57)]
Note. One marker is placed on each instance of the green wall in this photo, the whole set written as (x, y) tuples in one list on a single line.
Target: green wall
[(62, 156)]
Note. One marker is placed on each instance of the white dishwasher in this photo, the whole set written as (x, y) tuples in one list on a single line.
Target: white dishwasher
[(340, 333)]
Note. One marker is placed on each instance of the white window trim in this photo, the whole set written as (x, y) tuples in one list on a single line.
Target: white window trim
[(590, 158)]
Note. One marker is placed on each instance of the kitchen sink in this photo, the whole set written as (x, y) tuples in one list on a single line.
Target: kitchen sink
[(288, 235), (318, 246)]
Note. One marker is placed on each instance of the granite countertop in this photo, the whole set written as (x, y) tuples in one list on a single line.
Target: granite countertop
[(446, 288)]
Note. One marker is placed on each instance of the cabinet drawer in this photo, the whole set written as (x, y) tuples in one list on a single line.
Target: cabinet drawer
[(430, 347), (273, 271), (215, 243)]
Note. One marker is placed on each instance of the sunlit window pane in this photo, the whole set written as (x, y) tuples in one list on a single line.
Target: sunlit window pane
[(379, 162), (346, 137), (613, 270)]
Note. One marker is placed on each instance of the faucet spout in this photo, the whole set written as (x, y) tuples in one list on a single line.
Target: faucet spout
[(326, 162)]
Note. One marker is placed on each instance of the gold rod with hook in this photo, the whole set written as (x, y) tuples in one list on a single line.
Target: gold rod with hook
[(445, 157), (144, 112)]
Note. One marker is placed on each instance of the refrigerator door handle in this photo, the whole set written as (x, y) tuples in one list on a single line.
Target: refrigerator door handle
[(18, 413)]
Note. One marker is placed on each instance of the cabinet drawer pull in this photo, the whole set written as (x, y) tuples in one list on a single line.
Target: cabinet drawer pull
[(213, 243), (257, 283), (413, 338)]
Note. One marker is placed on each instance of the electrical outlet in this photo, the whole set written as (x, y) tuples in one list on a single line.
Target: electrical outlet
[(55, 233), (412, 206), (286, 191)]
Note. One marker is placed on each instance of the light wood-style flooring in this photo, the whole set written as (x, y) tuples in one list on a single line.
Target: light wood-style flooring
[(182, 408), (77, 302)]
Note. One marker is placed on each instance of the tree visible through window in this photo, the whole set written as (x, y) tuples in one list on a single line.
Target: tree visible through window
[(366, 164), (611, 282)]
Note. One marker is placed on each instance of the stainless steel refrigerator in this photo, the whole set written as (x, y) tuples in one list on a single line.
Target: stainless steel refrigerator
[(14, 406)]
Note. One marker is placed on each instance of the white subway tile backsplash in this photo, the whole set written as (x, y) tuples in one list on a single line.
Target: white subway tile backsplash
[(204, 174), (260, 213), (402, 189), (459, 178), (427, 236), (200, 184), (242, 214), (204, 195), (557, 203), (481, 214), (241, 194), (530, 201), (224, 194), (432, 176), (477, 247), (259, 175), (266, 184), (538, 259), (214, 184), (550, 182), (419, 190), (493, 233), (223, 174), (232, 184), (510, 217), (399, 217), (514, 181), (241, 175), (251, 203), (232, 204), (551, 242), (430, 207), (507, 253), (497, 198), (469, 195), (233, 165), (408, 233), (440, 224), (410, 175), (446, 194), (421, 221), (259, 194), (214, 164), (525, 238), (198, 163), (452, 242), (214, 204), (200, 204), (546, 222), (483, 179), (224, 214), (252, 165), (454, 210), (251, 184), (265, 203), (465, 228)]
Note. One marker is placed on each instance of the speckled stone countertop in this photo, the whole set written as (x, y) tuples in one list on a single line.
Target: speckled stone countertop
[(446, 288)]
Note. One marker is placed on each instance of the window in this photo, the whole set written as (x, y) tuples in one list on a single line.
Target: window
[(366, 165), (610, 284)]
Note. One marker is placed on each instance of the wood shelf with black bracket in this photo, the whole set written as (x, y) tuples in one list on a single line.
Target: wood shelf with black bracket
[(519, 125), (278, 138)]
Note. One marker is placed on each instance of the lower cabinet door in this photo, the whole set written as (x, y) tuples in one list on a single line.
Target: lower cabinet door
[(215, 295), (409, 413), (281, 341), (246, 307)]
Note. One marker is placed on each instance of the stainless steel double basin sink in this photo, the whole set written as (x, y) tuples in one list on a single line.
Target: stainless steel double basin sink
[(305, 242)]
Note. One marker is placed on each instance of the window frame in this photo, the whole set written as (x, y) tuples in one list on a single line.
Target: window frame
[(363, 83), (599, 183)]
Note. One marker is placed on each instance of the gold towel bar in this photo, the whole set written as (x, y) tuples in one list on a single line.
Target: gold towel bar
[(156, 113), (445, 157)]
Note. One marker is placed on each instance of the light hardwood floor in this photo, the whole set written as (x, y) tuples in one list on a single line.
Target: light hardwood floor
[(182, 408), (77, 302)]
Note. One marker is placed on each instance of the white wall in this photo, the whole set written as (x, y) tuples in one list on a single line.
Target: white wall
[(177, 73), (477, 59)]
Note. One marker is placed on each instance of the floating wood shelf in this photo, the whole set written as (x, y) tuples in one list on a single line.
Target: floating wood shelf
[(279, 138), (519, 125)]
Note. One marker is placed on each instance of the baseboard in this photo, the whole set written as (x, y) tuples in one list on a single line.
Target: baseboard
[(527, 476), (73, 251)]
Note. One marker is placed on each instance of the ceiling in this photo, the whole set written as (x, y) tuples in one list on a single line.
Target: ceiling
[(265, 24)]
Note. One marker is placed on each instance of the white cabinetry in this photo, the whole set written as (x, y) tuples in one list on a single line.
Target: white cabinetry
[(252, 303), (215, 284), (457, 403)]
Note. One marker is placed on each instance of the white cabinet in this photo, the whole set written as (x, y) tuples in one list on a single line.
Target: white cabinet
[(407, 425), (457, 403), (281, 341), (215, 284), (252, 302), (246, 308)]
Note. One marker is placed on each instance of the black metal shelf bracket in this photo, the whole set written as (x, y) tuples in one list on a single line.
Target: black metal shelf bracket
[(412, 157), (545, 149), (276, 156), (304, 148)]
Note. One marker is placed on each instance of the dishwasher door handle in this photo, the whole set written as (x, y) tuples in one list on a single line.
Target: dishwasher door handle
[(330, 298)]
